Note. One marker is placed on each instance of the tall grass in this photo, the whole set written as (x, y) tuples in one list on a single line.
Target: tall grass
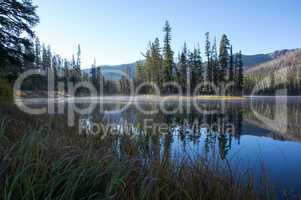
[(6, 90), (42, 164)]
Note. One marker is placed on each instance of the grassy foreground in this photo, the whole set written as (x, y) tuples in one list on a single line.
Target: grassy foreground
[(41, 164)]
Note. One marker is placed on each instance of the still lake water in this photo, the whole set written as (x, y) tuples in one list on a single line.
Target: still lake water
[(261, 136)]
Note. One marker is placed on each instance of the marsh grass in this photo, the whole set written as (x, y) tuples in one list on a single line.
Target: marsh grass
[(42, 164)]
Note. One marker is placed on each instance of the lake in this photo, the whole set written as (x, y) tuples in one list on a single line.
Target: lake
[(259, 135)]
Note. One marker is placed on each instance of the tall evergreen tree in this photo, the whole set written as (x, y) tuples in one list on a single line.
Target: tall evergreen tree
[(153, 64), (215, 63), (44, 57), (223, 59), (231, 70), (59, 66), (209, 71), (140, 75), (157, 63), (99, 81), (124, 82), (37, 53), (183, 68), (148, 64), (240, 75), (140, 72), (168, 61), (195, 64), (78, 64), (55, 66), (17, 19), (66, 74), (73, 71), (93, 73), (48, 58), (198, 65)]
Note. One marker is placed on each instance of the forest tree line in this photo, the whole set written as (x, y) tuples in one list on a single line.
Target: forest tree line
[(220, 67)]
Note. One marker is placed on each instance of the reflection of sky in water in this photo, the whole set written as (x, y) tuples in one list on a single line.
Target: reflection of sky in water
[(281, 159)]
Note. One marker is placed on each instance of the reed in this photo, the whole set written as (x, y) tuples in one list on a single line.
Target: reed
[(41, 164)]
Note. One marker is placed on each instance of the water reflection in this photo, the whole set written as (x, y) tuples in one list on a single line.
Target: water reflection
[(160, 131), (232, 132)]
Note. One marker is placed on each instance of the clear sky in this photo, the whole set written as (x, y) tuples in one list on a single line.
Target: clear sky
[(117, 31)]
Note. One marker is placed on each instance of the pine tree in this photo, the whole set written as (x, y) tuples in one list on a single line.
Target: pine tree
[(168, 61), (17, 21), (139, 72), (148, 64), (153, 64), (124, 82), (37, 53), (55, 66), (215, 63), (78, 64), (140, 75), (157, 63), (183, 68), (209, 72), (195, 65), (73, 71), (48, 58), (99, 81), (192, 70), (231, 71), (66, 69), (240, 77), (199, 66), (223, 60), (66, 74), (93, 73), (44, 58), (59, 66)]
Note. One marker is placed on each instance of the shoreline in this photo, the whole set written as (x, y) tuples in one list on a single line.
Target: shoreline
[(140, 98)]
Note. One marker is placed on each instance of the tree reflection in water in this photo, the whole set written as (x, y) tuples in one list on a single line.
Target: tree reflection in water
[(208, 131)]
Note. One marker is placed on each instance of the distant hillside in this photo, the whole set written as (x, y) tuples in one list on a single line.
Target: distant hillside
[(282, 72), (291, 58), (252, 60)]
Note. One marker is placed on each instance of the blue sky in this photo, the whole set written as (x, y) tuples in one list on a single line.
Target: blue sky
[(117, 31)]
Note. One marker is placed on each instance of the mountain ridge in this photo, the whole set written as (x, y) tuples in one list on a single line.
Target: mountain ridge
[(256, 59)]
